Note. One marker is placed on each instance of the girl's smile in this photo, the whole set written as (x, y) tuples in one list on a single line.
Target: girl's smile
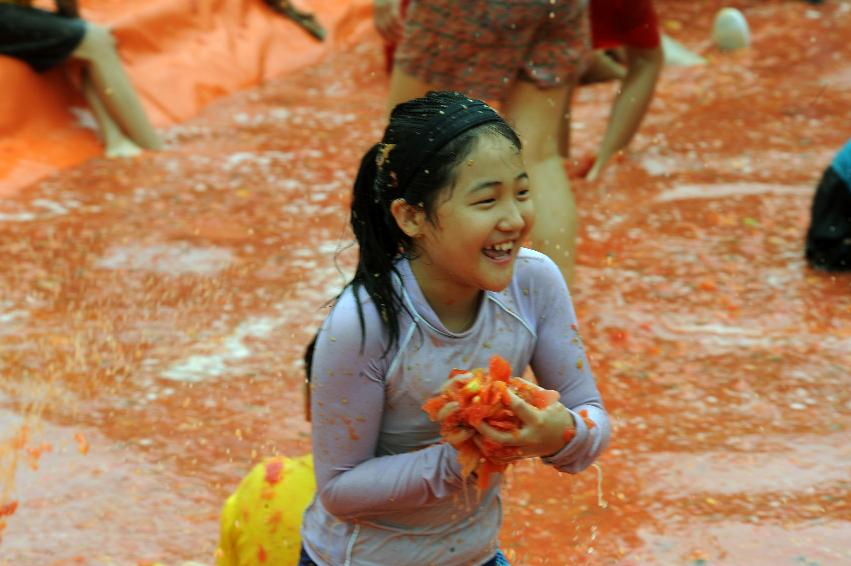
[(501, 252)]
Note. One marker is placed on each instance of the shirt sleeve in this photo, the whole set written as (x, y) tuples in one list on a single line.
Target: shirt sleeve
[(347, 402), (560, 363)]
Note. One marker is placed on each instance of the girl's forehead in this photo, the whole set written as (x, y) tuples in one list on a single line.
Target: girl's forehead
[(495, 159), (489, 151)]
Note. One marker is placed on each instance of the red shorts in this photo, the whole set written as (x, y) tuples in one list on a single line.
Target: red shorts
[(480, 47), (631, 23)]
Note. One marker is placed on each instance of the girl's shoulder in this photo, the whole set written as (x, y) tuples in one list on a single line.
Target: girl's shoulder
[(537, 285), (353, 328), (535, 268), (344, 312)]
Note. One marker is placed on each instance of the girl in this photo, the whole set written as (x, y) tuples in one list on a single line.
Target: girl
[(440, 209)]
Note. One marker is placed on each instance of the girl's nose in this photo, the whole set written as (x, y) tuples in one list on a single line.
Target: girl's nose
[(512, 218)]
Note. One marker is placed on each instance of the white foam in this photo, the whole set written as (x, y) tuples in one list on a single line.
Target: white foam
[(18, 217), (175, 258), (200, 367), (721, 190)]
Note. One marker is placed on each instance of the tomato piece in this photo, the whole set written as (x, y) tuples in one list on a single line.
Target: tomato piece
[(499, 368), (434, 405), (584, 414), (274, 469), (9, 508)]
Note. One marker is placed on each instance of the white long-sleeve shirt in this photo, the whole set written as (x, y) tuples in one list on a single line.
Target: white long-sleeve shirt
[(388, 492)]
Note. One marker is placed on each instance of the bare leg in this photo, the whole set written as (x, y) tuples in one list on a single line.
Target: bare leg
[(116, 143), (112, 86), (564, 121), (535, 114), (404, 87)]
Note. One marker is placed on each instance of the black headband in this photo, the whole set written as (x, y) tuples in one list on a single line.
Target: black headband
[(412, 156)]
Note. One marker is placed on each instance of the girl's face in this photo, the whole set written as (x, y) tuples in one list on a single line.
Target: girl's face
[(479, 224)]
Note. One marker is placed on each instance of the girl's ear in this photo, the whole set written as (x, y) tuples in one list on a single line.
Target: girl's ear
[(410, 218)]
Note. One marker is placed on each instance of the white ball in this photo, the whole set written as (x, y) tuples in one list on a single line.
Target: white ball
[(730, 30)]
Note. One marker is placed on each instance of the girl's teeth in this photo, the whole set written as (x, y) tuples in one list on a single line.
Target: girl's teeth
[(503, 247)]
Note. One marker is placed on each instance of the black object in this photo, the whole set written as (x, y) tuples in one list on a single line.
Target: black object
[(829, 236)]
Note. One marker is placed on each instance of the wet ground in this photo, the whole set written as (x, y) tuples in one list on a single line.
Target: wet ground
[(153, 314)]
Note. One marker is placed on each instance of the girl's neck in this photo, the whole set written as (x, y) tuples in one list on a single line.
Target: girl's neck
[(455, 306)]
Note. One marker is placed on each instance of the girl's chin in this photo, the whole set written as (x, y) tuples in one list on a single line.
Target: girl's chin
[(498, 277)]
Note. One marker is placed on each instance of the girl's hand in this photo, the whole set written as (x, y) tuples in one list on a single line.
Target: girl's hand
[(388, 20), (544, 431), (463, 433)]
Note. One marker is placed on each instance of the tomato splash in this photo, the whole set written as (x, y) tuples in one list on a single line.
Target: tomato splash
[(274, 468), (7, 509), (82, 443), (483, 396)]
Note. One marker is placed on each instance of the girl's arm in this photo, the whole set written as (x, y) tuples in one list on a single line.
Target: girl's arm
[(560, 363), (347, 405)]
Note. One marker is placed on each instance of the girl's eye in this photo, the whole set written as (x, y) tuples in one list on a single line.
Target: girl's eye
[(523, 193), (485, 201)]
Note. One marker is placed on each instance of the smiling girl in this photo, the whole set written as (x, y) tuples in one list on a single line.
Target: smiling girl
[(440, 210)]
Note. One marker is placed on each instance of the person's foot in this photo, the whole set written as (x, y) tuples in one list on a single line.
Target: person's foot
[(122, 147)]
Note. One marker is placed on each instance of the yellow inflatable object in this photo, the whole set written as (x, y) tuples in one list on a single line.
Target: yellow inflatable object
[(261, 521)]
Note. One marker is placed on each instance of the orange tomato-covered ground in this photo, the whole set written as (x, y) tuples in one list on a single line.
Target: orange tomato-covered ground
[(153, 313)]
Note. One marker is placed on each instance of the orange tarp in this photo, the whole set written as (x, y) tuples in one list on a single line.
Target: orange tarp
[(180, 55)]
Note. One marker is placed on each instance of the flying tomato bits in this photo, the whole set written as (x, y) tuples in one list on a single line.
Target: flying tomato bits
[(7, 509), (483, 396), (82, 443), (274, 469)]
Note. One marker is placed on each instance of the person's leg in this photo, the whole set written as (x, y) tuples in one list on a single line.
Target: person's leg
[(404, 87), (113, 87), (115, 142), (535, 114), (564, 120)]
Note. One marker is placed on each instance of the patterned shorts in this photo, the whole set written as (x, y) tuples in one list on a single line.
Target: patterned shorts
[(480, 47)]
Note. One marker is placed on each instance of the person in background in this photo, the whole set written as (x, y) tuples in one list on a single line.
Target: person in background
[(828, 245), (526, 57), (45, 39), (631, 27)]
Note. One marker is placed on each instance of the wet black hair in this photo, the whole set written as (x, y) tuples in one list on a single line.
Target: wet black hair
[(425, 141)]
